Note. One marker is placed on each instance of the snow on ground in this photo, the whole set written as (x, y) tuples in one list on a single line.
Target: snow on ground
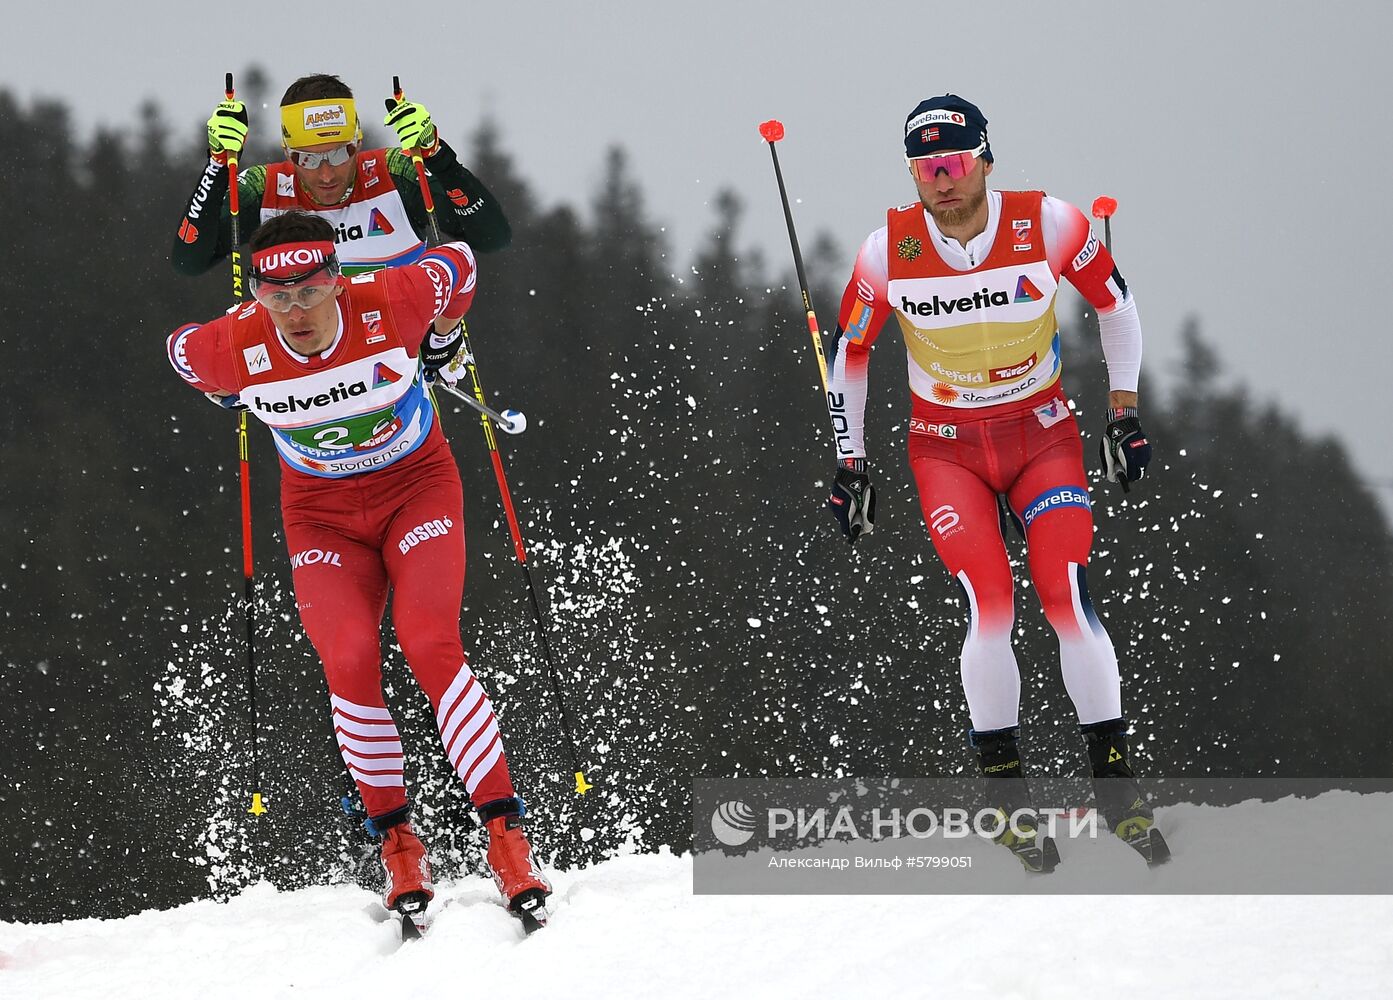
[(631, 927)]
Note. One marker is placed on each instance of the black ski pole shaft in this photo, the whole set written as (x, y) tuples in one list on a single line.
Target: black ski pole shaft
[(1104, 208), (772, 131), (505, 495)]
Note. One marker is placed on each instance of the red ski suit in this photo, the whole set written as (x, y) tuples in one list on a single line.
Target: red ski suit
[(371, 500), (989, 418)]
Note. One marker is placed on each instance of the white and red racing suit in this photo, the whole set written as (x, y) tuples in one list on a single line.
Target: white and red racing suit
[(989, 418), (371, 500)]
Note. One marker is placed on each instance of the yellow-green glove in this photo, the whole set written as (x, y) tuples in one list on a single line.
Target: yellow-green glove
[(413, 125), (227, 130)]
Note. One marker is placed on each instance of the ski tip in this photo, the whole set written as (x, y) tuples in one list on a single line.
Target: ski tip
[(1160, 851), (582, 786), (1104, 207), (257, 808), (413, 927), (531, 908), (772, 130)]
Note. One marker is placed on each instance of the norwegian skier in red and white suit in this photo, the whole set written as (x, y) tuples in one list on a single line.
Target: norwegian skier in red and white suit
[(971, 275), (371, 500)]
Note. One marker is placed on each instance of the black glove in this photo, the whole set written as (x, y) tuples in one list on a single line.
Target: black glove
[(433, 357), (853, 499), (1124, 450)]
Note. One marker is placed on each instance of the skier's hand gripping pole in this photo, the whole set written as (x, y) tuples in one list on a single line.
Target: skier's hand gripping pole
[(512, 422), (1124, 450)]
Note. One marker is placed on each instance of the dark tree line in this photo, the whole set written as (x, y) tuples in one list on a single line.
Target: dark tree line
[(706, 617)]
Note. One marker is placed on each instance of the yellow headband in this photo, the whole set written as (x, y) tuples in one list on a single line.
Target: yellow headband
[(312, 122)]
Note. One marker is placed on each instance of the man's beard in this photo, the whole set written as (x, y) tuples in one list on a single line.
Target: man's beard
[(947, 217)]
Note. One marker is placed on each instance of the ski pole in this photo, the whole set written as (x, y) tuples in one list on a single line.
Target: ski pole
[(509, 421), (1103, 208), (772, 131), (505, 495), (244, 476)]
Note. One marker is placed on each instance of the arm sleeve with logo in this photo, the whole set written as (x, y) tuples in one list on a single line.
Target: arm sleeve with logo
[(441, 283), (464, 208), (863, 312), (1076, 252), (204, 236), (202, 355)]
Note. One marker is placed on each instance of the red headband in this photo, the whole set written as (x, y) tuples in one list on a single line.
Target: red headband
[(287, 261)]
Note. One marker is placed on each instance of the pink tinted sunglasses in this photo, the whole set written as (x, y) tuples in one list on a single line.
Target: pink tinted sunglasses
[(956, 165)]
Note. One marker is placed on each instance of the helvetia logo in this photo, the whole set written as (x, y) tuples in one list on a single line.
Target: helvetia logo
[(733, 823), (382, 375), (378, 224), (984, 299), (1027, 292), (296, 404)]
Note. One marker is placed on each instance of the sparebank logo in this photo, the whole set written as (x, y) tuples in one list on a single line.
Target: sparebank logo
[(733, 823), (1055, 499)]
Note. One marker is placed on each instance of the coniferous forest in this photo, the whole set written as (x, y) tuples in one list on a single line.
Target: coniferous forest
[(705, 615)]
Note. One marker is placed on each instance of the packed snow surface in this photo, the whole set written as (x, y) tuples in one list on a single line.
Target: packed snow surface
[(632, 927)]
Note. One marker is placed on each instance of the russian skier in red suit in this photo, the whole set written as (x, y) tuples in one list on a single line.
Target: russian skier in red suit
[(371, 500), (970, 275)]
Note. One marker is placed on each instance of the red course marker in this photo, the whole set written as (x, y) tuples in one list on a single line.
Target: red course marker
[(772, 130), (1104, 207)]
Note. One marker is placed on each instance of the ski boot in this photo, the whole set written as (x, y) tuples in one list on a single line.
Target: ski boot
[(520, 881), (1120, 799), (409, 889), (1000, 761)]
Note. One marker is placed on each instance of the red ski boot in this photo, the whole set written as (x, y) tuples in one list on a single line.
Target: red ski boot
[(515, 871), (409, 886)]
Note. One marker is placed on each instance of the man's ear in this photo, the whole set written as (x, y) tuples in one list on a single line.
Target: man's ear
[(987, 169)]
